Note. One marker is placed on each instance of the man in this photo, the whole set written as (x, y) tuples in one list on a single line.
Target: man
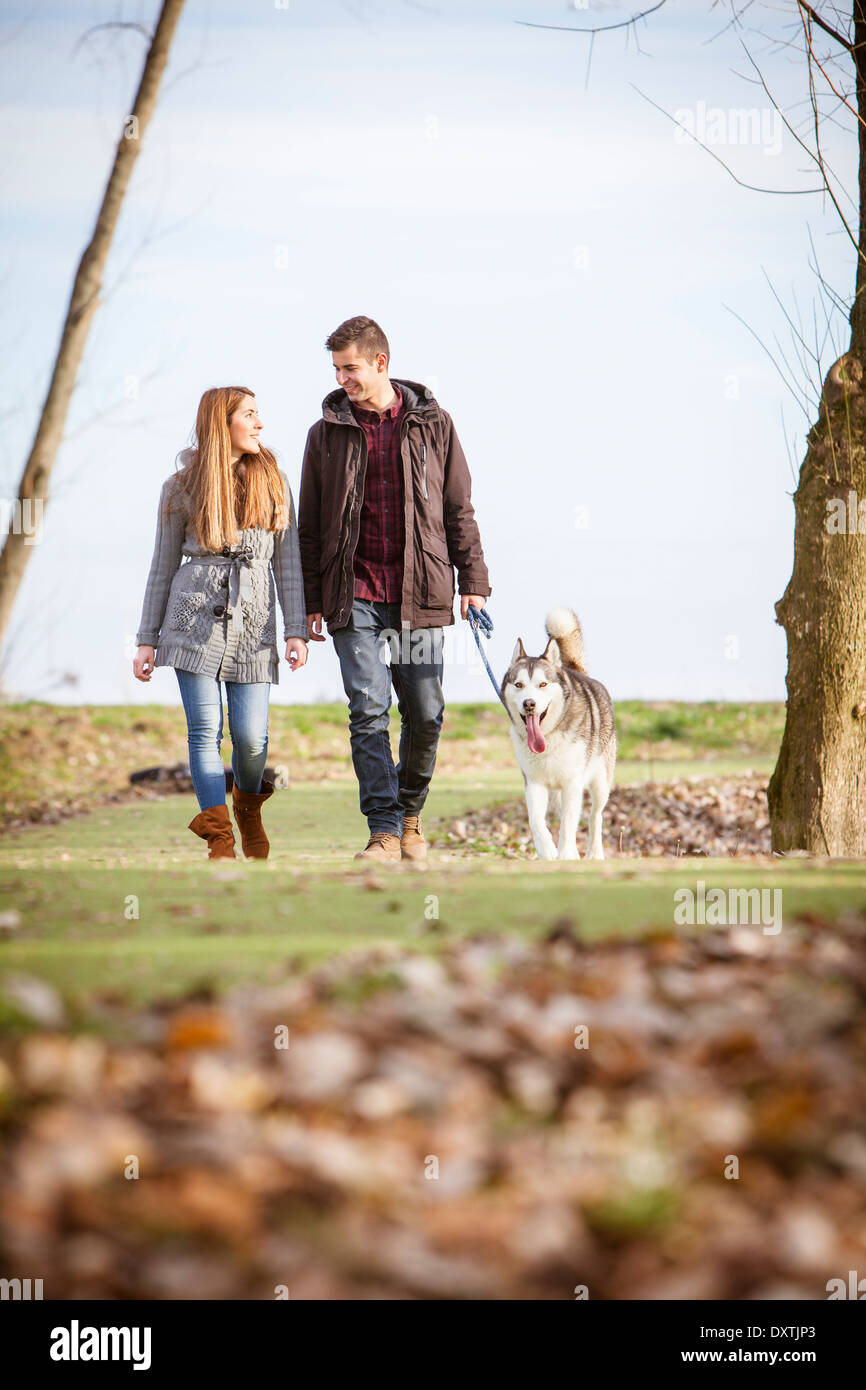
[(384, 518)]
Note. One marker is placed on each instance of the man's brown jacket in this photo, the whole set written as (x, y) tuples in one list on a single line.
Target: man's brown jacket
[(441, 533)]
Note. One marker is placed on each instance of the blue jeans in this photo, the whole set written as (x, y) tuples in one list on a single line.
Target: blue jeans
[(248, 725), (387, 793)]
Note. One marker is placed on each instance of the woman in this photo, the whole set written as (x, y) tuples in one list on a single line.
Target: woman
[(230, 510)]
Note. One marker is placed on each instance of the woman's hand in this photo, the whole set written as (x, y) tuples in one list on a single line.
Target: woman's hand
[(142, 666), (296, 653)]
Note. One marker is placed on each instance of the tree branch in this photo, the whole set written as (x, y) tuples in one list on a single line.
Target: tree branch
[(753, 188), (600, 29), (846, 43)]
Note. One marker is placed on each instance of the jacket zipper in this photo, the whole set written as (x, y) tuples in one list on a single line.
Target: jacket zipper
[(424, 470)]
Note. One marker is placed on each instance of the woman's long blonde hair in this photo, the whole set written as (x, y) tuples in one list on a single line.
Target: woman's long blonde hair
[(221, 499)]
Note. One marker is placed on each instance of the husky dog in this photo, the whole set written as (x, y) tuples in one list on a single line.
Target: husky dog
[(564, 735)]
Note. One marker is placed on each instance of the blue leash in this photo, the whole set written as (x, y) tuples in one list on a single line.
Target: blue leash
[(482, 621)]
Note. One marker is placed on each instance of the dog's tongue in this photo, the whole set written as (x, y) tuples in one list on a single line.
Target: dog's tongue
[(534, 735)]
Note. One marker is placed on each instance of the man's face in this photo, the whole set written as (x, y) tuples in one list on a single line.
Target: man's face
[(359, 378)]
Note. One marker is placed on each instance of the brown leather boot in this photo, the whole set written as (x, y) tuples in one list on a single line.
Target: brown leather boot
[(381, 846), (214, 825), (248, 814), (412, 843)]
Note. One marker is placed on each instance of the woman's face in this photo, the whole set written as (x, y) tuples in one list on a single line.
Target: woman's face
[(245, 428)]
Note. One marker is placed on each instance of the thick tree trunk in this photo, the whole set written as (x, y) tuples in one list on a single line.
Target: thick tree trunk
[(817, 794), (33, 487)]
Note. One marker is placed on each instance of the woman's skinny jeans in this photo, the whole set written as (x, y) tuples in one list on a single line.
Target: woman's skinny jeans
[(247, 703)]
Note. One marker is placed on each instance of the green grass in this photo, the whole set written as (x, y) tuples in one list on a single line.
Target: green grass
[(215, 925), (199, 924), (308, 824), (59, 758), (197, 927)]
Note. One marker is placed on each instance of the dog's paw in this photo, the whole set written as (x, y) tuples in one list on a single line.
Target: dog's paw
[(572, 853)]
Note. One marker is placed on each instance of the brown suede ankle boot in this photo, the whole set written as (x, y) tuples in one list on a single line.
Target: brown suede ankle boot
[(382, 847), (214, 825), (412, 843), (248, 814)]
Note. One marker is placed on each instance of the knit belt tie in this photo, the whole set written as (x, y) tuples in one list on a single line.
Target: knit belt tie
[(240, 564)]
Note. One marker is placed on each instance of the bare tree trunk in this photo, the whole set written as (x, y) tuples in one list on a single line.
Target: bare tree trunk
[(817, 794), (33, 487)]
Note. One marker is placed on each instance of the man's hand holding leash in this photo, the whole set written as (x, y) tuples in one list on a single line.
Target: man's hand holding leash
[(476, 600)]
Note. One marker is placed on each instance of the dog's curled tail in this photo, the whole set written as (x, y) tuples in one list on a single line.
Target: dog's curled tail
[(562, 624)]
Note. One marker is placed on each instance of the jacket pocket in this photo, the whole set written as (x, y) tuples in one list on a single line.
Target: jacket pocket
[(436, 546), (186, 606), (437, 573), (260, 628)]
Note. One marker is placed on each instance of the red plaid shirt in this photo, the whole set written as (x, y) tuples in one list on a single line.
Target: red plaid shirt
[(378, 561)]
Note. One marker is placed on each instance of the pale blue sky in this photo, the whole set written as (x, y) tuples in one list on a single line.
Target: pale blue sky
[(546, 255)]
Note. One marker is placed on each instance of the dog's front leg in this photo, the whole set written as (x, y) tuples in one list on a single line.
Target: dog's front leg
[(536, 805), (572, 803)]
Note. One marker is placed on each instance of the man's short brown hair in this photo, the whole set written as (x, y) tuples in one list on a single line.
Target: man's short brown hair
[(364, 333)]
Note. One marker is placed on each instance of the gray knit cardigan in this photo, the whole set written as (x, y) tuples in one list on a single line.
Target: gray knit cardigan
[(213, 612)]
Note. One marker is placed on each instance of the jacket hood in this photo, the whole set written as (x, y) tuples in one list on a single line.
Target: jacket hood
[(337, 407)]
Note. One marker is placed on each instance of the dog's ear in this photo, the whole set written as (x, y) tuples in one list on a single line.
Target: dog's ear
[(552, 653), (519, 653)]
